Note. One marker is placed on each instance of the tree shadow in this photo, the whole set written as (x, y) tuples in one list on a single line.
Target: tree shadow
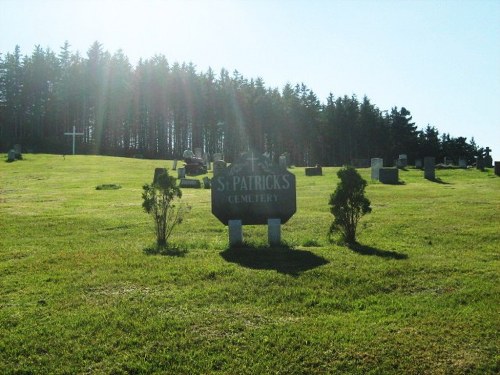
[(168, 250), (437, 180), (282, 259), (369, 250)]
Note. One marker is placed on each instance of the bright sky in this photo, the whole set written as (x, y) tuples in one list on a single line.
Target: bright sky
[(439, 59)]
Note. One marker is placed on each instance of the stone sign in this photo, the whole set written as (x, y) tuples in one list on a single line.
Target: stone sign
[(253, 190)]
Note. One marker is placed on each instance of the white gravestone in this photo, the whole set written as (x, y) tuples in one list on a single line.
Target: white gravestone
[(376, 164)]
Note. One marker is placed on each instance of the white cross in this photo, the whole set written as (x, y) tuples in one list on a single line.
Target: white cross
[(252, 159), (74, 134)]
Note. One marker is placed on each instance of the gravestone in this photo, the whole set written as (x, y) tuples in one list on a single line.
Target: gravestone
[(206, 182), (488, 160), (11, 156), (219, 167), (190, 183), (430, 168), (314, 171), (18, 149), (388, 175), (282, 161), (376, 164), (462, 163), (158, 172), (402, 161), (251, 191), (174, 165), (497, 168), (480, 162), (217, 157), (181, 172), (198, 153), (418, 163)]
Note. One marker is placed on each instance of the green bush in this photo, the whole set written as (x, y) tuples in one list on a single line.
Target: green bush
[(348, 203)]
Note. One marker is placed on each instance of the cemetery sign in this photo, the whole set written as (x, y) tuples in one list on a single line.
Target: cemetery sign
[(253, 190)]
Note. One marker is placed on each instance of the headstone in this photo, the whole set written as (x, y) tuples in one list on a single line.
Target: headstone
[(206, 182), (497, 168), (189, 183), (282, 161), (376, 164), (403, 161), (430, 168), (219, 167), (480, 162), (274, 231), (388, 175), (174, 165), (74, 134), (462, 163), (11, 156), (488, 160), (217, 157), (18, 149), (158, 172), (314, 171), (360, 163), (198, 153), (418, 163), (235, 232), (181, 172)]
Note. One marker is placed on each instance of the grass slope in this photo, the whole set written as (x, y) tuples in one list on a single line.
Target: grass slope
[(80, 295)]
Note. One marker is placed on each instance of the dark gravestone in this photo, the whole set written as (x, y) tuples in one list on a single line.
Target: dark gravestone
[(190, 183), (18, 149), (206, 182), (11, 156), (418, 163), (158, 172), (462, 163), (388, 175), (497, 168), (430, 168), (488, 160), (253, 190), (402, 161), (314, 171)]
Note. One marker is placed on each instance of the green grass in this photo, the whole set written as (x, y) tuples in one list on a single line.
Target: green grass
[(82, 292)]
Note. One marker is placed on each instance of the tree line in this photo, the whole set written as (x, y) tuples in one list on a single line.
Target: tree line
[(157, 110)]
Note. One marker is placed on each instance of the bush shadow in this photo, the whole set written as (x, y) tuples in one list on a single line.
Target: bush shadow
[(283, 259), (369, 250), (168, 250)]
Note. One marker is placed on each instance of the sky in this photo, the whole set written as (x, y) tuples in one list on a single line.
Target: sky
[(438, 59)]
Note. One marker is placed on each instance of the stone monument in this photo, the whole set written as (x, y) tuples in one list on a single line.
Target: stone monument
[(376, 164), (430, 168)]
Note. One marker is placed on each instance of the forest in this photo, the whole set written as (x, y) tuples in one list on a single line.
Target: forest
[(157, 109)]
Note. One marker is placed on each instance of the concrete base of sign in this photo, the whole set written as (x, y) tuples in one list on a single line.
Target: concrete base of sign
[(274, 231), (235, 232)]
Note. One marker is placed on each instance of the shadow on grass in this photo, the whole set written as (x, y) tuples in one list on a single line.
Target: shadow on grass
[(368, 250), (168, 250), (282, 259), (438, 181)]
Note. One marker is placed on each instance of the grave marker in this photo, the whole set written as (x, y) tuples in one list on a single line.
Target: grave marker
[(376, 164), (74, 134), (389, 175), (430, 168), (497, 168)]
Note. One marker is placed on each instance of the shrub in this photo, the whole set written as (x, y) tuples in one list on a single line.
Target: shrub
[(348, 203), (158, 201)]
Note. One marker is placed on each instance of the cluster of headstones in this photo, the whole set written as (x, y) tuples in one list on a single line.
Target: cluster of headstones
[(14, 154)]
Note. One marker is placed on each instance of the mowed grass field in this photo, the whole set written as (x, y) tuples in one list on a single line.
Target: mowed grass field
[(80, 295)]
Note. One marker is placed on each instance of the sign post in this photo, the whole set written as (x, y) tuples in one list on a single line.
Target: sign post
[(252, 191)]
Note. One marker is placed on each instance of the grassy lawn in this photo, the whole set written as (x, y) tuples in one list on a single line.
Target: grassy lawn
[(419, 295)]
